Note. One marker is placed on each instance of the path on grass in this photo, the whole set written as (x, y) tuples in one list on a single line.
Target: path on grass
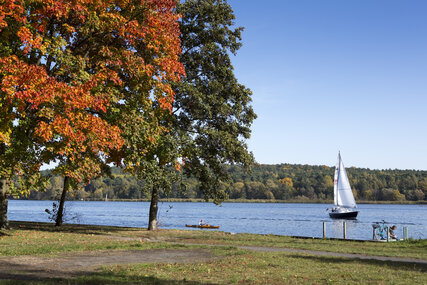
[(312, 252), (77, 264), (337, 254)]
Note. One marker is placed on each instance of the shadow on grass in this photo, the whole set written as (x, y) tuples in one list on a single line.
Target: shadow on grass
[(18, 273), (69, 228), (104, 280), (15, 272), (119, 279), (97, 278), (392, 264)]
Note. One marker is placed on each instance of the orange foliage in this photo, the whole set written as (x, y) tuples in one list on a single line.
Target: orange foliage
[(69, 104), (287, 181)]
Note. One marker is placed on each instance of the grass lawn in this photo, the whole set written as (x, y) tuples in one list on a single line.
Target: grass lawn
[(267, 268), (410, 248), (231, 264)]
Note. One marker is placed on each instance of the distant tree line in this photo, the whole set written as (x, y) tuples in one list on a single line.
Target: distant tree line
[(269, 182)]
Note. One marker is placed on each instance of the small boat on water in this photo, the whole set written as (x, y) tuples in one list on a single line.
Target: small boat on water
[(206, 226), (344, 204)]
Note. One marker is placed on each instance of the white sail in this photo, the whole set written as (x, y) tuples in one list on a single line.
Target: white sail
[(343, 196)]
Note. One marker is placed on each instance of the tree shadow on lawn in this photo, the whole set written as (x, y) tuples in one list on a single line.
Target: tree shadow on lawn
[(102, 280), (14, 272), (92, 278), (70, 228), (18, 273), (397, 265), (110, 278)]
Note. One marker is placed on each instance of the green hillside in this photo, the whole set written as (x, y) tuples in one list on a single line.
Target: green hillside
[(273, 182)]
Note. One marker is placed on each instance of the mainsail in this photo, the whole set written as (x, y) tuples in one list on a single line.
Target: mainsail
[(343, 196)]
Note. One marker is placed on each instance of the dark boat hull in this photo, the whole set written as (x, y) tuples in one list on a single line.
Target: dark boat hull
[(344, 215)]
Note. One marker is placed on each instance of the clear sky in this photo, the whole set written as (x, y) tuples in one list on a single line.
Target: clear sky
[(329, 75)]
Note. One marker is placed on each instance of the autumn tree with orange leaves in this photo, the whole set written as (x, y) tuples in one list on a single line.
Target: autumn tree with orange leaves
[(78, 78)]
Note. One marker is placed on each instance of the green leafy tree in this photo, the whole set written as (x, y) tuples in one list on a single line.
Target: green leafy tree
[(211, 115), (237, 190), (19, 166)]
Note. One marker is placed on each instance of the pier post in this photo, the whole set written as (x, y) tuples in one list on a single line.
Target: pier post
[(388, 234), (324, 230), (405, 233), (344, 227)]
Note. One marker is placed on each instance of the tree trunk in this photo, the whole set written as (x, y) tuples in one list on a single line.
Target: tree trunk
[(152, 221), (60, 213), (4, 192)]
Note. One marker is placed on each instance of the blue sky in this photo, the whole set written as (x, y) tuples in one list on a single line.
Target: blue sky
[(331, 75)]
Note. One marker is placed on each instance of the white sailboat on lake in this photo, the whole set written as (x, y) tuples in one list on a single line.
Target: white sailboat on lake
[(344, 204)]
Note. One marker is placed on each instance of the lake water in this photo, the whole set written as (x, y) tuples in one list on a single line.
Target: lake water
[(261, 218)]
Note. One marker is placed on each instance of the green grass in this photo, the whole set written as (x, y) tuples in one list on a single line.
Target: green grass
[(243, 267), (271, 268), (41, 238), (410, 248), (44, 239), (232, 265)]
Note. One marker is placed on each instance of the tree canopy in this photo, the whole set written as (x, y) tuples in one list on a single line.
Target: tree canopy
[(210, 117), (69, 69), (213, 111)]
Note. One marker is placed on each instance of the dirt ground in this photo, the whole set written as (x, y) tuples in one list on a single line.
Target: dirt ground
[(73, 265)]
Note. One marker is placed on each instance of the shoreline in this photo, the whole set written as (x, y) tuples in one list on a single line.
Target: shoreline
[(176, 200)]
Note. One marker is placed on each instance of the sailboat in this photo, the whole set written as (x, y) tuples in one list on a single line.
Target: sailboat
[(344, 204)]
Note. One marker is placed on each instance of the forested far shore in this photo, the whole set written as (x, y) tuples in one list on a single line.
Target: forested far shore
[(261, 201), (281, 182)]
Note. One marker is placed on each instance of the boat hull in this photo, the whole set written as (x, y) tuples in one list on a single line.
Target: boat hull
[(202, 226), (344, 215)]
